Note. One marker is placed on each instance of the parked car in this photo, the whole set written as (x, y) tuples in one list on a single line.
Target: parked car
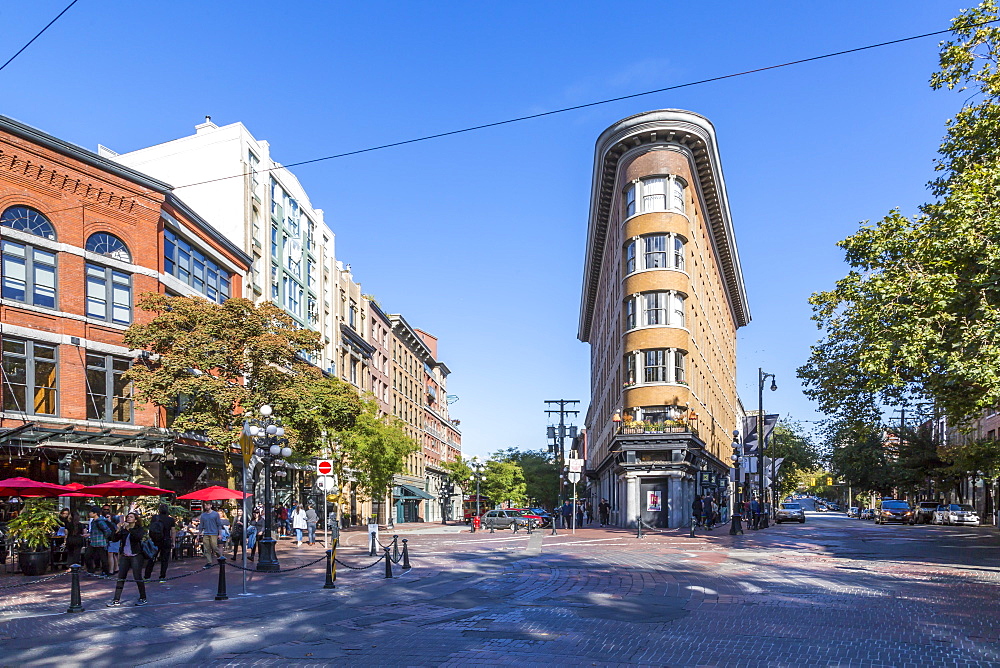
[(533, 518), (854, 512), (544, 515), (955, 513), (894, 511), (790, 512), (866, 513), (504, 519), (923, 513)]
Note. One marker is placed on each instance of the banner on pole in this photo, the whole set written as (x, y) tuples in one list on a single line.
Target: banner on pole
[(246, 444)]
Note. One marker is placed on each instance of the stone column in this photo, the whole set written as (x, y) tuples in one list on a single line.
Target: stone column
[(631, 500)]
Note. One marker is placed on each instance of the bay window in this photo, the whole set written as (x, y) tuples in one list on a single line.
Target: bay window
[(663, 308), (655, 366), (654, 251), (654, 193)]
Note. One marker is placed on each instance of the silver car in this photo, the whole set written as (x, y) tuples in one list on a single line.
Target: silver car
[(504, 519), (790, 512)]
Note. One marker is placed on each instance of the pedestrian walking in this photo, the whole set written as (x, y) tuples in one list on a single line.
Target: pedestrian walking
[(567, 514), (708, 511), (312, 519), (129, 534), (161, 532), (99, 532), (211, 527), (604, 510), (236, 534), (755, 513), (299, 523), (254, 531), (697, 509)]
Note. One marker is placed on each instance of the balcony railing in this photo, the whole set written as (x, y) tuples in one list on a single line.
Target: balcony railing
[(639, 428)]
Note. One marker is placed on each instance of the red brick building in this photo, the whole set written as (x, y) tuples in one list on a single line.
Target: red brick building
[(82, 237)]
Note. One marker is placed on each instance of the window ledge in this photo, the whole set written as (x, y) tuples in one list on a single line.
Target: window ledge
[(646, 213), (636, 329), (643, 271)]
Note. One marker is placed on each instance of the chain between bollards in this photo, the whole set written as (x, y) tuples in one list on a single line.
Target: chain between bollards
[(75, 604), (388, 564), (221, 595)]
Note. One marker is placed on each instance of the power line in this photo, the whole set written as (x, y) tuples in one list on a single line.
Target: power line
[(586, 105), (47, 26)]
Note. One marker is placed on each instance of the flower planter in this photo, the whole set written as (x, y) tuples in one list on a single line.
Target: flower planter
[(33, 563)]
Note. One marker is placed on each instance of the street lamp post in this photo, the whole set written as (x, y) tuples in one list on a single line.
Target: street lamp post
[(761, 379), (737, 510), (477, 473), (272, 447)]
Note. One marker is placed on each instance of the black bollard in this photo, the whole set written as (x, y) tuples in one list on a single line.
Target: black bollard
[(737, 526), (221, 594), (406, 556), (554, 533), (331, 569), (395, 549), (694, 523), (638, 527), (515, 526), (371, 553), (388, 565), (75, 604)]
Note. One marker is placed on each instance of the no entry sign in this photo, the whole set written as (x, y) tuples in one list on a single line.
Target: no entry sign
[(324, 467)]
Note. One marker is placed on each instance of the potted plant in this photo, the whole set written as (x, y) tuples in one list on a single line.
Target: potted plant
[(32, 529)]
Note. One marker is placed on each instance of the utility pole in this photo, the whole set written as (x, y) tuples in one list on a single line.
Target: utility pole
[(559, 437)]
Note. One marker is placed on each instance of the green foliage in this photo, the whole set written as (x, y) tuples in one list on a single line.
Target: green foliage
[(790, 441), (460, 473), (859, 457), (503, 482), (979, 458), (918, 458), (375, 450), (918, 316), (222, 358), (35, 524), (541, 474)]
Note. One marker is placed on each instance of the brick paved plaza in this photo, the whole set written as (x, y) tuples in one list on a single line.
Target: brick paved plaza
[(832, 592)]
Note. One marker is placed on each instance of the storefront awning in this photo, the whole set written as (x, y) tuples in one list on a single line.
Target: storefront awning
[(71, 437), (409, 492)]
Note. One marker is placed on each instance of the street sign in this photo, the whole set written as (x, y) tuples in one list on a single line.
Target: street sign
[(326, 483), (574, 477), (575, 465), (324, 467)]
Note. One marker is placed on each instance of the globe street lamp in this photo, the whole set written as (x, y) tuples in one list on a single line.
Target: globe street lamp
[(761, 379), (268, 437), (737, 513)]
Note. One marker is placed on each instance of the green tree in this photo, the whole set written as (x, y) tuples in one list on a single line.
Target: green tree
[(919, 313), (541, 474), (918, 459), (790, 441), (859, 458), (503, 482), (461, 474)]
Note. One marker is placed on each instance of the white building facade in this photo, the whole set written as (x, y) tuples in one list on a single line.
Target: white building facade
[(230, 178)]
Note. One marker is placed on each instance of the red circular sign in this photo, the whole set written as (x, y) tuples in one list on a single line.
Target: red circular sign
[(325, 468)]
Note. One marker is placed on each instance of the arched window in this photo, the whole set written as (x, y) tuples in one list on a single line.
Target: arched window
[(28, 220), (108, 245)]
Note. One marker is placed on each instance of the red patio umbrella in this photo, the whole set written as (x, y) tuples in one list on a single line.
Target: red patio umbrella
[(75, 486), (122, 488), (214, 493), (29, 487)]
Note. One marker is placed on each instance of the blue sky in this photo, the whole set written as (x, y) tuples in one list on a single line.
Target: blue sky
[(479, 238)]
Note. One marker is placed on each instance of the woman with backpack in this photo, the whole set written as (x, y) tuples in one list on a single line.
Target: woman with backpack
[(129, 533), (236, 534), (161, 530)]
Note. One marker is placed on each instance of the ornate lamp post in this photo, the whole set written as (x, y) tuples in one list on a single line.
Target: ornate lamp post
[(761, 379), (477, 473), (268, 436), (737, 510)]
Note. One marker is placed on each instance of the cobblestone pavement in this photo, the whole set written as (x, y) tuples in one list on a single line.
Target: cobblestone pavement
[(832, 592)]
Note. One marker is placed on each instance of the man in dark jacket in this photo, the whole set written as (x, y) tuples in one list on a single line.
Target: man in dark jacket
[(99, 531), (604, 511), (161, 533)]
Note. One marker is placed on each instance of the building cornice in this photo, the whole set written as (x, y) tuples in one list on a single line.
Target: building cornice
[(662, 129)]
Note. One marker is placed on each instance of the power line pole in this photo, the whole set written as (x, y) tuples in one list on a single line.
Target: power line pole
[(559, 437)]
